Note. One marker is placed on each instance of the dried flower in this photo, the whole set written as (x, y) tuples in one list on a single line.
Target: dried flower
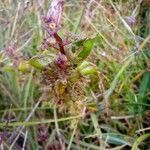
[(10, 50), (13, 54), (131, 20), (1, 138), (42, 133), (52, 23), (62, 61), (53, 17), (55, 12)]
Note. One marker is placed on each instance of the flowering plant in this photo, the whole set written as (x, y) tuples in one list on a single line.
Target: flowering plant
[(65, 72)]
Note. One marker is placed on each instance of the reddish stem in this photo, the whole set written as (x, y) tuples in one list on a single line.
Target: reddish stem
[(60, 43)]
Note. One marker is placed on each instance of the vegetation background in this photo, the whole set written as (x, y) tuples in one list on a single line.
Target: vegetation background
[(121, 118)]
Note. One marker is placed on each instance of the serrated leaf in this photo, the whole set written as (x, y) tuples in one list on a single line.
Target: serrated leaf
[(41, 61)]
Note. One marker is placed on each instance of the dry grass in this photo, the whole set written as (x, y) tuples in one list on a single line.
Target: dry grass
[(120, 91)]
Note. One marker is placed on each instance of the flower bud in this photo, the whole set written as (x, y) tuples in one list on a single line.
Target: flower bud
[(62, 61)]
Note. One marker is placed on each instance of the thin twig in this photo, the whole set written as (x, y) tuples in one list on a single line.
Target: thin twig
[(25, 140)]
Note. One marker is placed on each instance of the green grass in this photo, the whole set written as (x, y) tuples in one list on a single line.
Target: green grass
[(117, 64)]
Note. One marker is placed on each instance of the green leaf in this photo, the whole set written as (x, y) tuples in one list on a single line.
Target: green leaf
[(139, 140), (85, 68), (89, 70), (83, 65), (8, 68), (117, 139), (26, 91), (41, 61), (77, 44), (38, 122), (145, 84), (87, 47), (143, 90)]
